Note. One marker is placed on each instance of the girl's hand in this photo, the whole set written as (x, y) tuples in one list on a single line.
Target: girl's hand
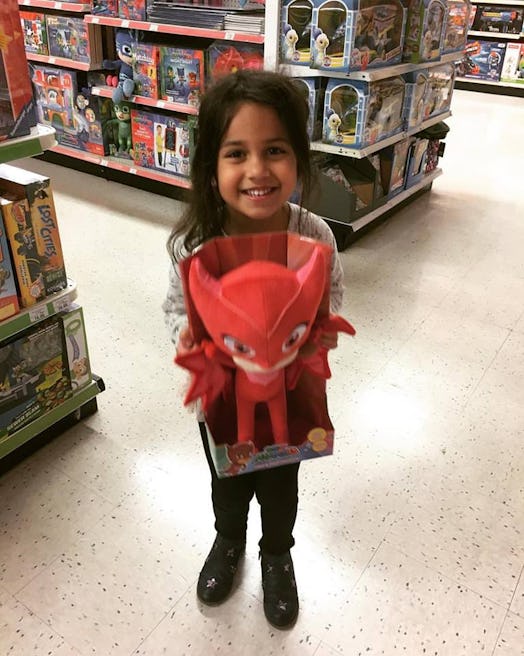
[(329, 340), (185, 342)]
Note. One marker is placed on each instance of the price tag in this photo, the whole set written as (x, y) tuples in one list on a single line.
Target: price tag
[(38, 314), (52, 60), (125, 23), (95, 19), (153, 27), (103, 162), (132, 170), (61, 303), (58, 5), (161, 103), (229, 36)]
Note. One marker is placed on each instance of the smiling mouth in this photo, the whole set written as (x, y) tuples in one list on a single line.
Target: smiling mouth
[(258, 193)]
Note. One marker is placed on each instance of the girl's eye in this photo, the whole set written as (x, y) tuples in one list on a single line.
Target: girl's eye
[(237, 347), (276, 150), (234, 154), (294, 337)]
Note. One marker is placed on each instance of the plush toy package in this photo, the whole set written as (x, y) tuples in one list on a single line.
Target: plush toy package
[(253, 301), (296, 32), (425, 29)]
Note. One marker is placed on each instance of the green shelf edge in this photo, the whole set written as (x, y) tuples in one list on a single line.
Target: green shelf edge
[(11, 442)]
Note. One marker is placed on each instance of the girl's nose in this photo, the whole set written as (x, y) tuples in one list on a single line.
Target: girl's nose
[(257, 166)]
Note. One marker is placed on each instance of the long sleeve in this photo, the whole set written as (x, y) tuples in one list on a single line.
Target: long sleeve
[(174, 307)]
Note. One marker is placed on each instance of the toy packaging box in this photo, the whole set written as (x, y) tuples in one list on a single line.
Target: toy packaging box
[(313, 91), (513, 66), (354, 35), (441, 82), (416, 164), (416, 98), (35, 32), (37, 190), (457, 25), (17, 111), (161, 141), (104, 7), (498, 19), (33, 376), (72, 38), (132, 9), (243, 435), (8, 296), (181, 75), (358, 113), (224, 57), (74, 332), (483, 60), (393, 165), (425, 27), (64, 102), (146, 60), (296, 21)]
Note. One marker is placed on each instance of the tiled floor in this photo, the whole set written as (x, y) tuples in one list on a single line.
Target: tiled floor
[(409, 539)]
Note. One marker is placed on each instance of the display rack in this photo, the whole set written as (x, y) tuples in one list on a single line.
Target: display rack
[(63, 62), (41, 139), (76, 7)]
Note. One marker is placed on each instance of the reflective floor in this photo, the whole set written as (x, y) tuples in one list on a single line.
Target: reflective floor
[(409, 538)]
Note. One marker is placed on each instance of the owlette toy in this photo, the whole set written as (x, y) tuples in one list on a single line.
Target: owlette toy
[(124, 83), (250, 317)]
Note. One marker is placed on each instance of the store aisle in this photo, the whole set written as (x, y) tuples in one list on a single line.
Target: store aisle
[(409, 539)]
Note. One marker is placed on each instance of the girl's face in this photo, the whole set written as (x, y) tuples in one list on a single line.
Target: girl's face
[(256, 171)]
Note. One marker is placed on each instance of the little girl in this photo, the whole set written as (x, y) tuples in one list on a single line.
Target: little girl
[(252, 151)]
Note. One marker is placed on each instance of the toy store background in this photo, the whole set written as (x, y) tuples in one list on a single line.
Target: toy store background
[(409, 537)]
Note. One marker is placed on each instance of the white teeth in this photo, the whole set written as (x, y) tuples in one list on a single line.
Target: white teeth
[(257, 192)]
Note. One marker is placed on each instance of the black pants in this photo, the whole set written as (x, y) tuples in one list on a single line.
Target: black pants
[(276, 491)]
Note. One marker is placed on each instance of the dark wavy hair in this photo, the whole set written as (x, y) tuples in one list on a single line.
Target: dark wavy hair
[(204, 217)]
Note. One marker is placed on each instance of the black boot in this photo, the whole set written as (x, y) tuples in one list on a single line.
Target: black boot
[(216, 578), (280, 590)]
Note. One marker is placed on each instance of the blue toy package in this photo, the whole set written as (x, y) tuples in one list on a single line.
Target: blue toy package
[(104, 7), (181, 73), (457, 22), (313, 91), (483, 60), (425, 29), (145, 70), (416, 165), (416, 98), (441, 81), (355, 35), (296, 21), (358, 114), (69, 37)]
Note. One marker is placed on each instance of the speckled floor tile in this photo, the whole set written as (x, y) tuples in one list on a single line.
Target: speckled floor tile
[(511, 639), (517, 603), (23, 633)]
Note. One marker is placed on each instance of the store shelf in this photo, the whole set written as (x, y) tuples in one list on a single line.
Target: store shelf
[(512, 85), (39, 425), (62, 61), (504, 88), (369, 75), (505, 3), (494, 35), (61, 6), (40, 139), (365, 220), (38, 312), (183, 30), (120, 165), (181, 108), (359, 153)]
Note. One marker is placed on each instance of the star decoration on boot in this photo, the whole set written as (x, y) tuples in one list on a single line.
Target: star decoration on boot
[(282, 605), (212, 583)]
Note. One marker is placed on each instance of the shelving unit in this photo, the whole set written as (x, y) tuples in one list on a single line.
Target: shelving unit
[(63, 62), (41, 139), (76, 7)]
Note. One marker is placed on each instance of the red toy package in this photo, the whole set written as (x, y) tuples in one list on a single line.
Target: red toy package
[(253, 302), (17, 112)]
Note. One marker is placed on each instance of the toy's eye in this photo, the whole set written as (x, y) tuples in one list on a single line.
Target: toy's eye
[(295, 336), (126, 50), (238, 348)]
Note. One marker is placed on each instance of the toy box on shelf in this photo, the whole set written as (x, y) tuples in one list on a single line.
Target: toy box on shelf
[(181, 75), (441, 80), (498, 19), (425, 27), (393, 167), (34, 375), (35, 32), (74, 332), (146, 60), (358, 114), (513, 66), (313, 90), (41, 217), (17, 112), (296, 20), (457, 24), (8, 296), (64, 102), (482, 60), (416, 165), (224, 57), (104, 7), (416, 97), (161, 141), (353, 35), (132, 9), (71, 38)]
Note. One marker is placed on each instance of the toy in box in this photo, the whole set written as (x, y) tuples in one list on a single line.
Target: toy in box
[(73, 328), (37, 190), (8, 296), (104, 7), (117, 130), (17, 112), (416, 161), (33, 376), (425, 27), (224, 57), (132, 9), (181, 75), (416, 97), (35, 32), (393, 165), (441, 80), (513, 66), (296, 23), (354, 35), (482, 60), (498, 20), (145, 70), (161, 141), (68, 37), (457, 24), (252, 302), (313, 91), (358, 113)]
